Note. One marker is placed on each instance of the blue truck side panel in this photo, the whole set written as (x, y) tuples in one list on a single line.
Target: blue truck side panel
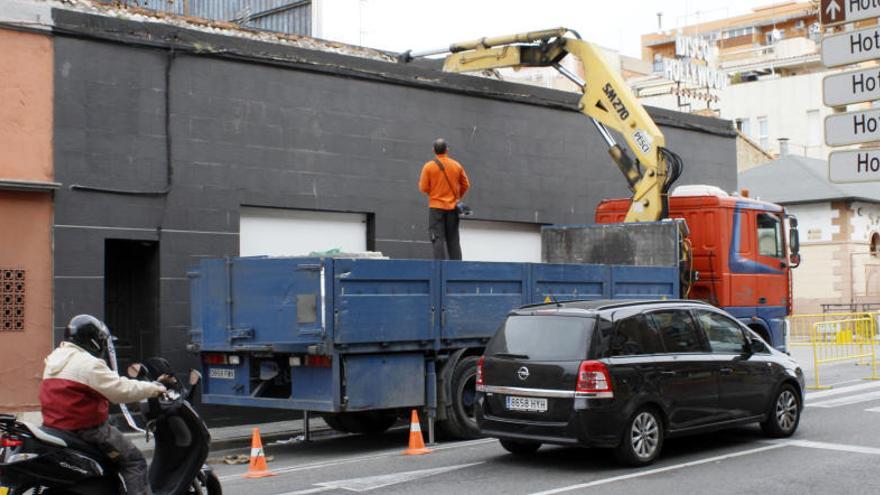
[(381, 323)]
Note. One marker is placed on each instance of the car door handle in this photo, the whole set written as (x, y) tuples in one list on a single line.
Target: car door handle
[(667, 373), (726, 371)]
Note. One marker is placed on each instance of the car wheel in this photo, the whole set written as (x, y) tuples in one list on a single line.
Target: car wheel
[(642, 439), (461, 419), (520, 448), (784, 414)]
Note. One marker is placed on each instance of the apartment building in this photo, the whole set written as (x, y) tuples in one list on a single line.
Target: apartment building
[(772, 75)]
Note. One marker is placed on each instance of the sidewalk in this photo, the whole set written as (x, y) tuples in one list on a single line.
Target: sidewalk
[(231, 437)]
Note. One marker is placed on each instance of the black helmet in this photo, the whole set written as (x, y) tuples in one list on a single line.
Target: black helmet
[(440, 146), (87, 332)]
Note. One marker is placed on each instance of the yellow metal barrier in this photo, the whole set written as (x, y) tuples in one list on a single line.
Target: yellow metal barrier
[(848, 339), (801, 325)]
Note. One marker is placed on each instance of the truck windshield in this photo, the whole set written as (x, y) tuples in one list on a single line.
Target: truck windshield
[(542, 338)]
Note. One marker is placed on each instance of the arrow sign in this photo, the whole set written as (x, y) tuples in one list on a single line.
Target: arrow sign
[(851, 87), (831, 12), (852, 127), (851, 47), (861, 165), (834, 12)]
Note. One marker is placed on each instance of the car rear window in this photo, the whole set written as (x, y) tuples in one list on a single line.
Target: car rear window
[(543, 338)]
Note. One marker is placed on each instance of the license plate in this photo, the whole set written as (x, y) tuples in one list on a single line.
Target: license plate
[(526, 404), (221, 373)]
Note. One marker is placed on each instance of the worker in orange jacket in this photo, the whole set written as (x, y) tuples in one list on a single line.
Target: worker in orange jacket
[(445, 182)]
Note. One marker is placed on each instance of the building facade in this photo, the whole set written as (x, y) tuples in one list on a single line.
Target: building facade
[(26, 214), (770, 60), (167, 153)]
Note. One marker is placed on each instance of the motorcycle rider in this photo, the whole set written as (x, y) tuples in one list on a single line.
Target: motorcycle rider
[(76, 392)]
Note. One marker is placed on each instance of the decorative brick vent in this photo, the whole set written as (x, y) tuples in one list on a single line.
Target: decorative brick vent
[(12, 291)]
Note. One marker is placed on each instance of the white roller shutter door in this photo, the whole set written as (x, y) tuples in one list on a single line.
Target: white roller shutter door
[(500, 241), (282, 232)]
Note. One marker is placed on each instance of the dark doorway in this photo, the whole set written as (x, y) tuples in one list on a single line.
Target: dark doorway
[(131, 297)]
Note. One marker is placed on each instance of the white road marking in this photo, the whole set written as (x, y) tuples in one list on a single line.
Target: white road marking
[(839, 391), (349, 460), (373, 482), (858, 449), (846, 401), (873, 409), (649, 472)]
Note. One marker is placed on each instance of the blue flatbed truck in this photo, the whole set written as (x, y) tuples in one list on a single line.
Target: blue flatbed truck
[(363, 341)]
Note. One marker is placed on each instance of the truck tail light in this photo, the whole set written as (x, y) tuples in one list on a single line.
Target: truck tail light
[(480, 385), (214, 358), (593, 381), (319, 361)]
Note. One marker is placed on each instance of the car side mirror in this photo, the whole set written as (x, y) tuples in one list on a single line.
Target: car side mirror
[(756, 346)]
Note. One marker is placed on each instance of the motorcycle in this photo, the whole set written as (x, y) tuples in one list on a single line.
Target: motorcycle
[(39, 460)]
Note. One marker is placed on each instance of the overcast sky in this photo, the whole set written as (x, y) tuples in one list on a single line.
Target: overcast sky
[(399, 25)]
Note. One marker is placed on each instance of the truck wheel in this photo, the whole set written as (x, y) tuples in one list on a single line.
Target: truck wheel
[(334, 422), (367, 422), (461, 420)]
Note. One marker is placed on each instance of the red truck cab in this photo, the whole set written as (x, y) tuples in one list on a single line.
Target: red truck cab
[(740, 255)]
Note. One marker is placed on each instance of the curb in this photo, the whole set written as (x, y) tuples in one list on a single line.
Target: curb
[(242, 440)]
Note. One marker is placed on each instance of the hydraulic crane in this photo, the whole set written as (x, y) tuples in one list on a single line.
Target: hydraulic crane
[(606, 100)]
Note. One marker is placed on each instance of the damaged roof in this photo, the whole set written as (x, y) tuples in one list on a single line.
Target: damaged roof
[(84, 18)]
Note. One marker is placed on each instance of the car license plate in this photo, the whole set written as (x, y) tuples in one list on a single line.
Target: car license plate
[(526, 404), (221, 373)]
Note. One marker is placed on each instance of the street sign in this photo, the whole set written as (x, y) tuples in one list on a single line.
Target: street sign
[(861, 165), (851, 87), (833, 12), (851, 47), (852, 127)]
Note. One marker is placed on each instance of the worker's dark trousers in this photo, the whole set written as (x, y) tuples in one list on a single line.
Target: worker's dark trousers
[(132, 464), (443, 227)]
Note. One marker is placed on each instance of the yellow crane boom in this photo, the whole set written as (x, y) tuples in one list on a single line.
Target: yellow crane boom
[(606, 100)]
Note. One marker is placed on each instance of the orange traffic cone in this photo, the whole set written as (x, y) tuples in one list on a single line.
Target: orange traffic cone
[(257, 467), (416, 443)]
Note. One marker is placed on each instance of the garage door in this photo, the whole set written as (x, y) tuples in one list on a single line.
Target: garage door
[(500, 241), (281, 232)]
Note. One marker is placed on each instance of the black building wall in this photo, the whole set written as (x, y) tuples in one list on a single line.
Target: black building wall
[(322, 132)]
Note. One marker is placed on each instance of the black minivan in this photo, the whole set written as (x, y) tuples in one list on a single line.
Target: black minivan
[(628, 374)]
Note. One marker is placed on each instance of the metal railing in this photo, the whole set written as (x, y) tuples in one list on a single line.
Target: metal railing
[(844, 339)]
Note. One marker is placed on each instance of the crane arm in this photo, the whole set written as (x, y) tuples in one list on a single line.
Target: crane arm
[(607, 100)]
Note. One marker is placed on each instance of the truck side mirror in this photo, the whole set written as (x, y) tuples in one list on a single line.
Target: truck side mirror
[(794, 241)]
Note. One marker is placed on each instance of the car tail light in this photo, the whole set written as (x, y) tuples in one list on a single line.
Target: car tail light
[(480, 385), (319, 361), (214, 358), (10, 442), (593, 381)]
